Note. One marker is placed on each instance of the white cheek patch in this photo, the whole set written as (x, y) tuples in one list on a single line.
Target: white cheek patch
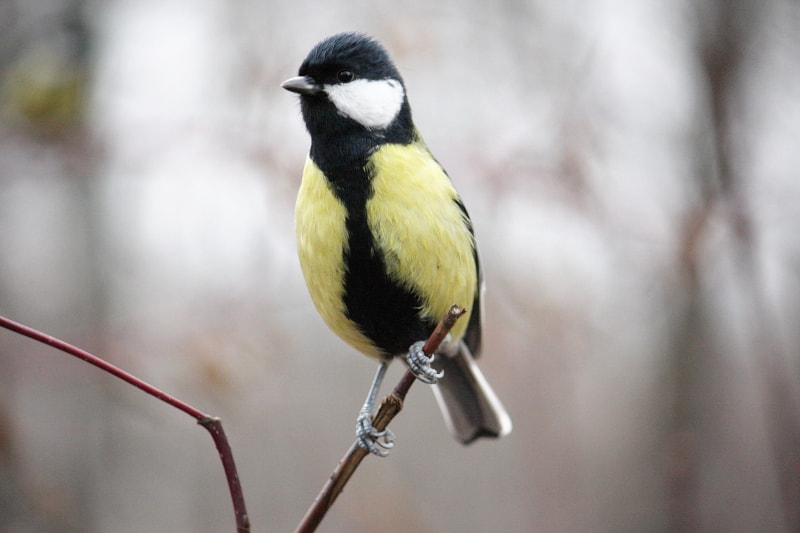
[(372, 103)]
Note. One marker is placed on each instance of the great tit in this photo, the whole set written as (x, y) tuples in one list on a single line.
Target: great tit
[(385, 243)]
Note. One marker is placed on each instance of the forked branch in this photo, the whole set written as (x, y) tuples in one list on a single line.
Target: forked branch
[(210, 423), (390, 407)]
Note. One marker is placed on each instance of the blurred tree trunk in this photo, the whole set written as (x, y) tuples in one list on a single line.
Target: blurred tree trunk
[(45, 73), (726, 31), (734, 26)]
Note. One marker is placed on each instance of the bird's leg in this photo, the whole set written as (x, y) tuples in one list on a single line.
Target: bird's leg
[(420, 364), (369, 438)]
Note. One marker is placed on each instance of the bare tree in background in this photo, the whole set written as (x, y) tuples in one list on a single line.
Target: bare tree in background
[(45, 75), (727, 33)]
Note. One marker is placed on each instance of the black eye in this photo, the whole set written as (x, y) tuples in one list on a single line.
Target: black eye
[(345, 75)]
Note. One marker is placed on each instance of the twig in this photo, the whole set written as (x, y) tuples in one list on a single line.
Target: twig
[(390, 407), (211, 424)]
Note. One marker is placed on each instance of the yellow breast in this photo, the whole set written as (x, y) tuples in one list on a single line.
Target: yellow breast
[(417, 227), (421, 230), (321, 243)]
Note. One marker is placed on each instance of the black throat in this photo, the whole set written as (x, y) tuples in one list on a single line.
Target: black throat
[(386, 311)]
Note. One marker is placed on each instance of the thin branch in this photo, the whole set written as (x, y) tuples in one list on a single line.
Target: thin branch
[(391, 405), (210, 423)]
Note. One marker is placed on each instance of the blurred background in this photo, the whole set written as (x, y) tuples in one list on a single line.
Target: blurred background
[(632, 172)]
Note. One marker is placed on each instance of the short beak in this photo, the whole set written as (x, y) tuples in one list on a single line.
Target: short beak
[(302, 85)]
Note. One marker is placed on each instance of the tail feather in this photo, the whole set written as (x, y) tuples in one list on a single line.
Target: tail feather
[(469, 405)]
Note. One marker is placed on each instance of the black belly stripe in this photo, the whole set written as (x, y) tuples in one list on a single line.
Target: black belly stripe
[(386, 312)]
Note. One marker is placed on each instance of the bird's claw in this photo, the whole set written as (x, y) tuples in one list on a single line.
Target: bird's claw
[(420, 365), (371, 439)]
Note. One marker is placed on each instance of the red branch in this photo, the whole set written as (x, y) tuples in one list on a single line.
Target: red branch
[(210, 423), (390, 406)]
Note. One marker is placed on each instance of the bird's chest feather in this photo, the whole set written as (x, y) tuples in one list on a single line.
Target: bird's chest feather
[(321, 231), (405, 244), (421, 231)]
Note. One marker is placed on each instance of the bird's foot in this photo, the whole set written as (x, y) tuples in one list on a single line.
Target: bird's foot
[(371, 439), (420, 365)]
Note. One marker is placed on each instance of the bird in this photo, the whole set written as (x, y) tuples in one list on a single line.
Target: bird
[(384, 240)]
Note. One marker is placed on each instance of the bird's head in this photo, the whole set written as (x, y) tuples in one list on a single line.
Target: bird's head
[(349, 79)]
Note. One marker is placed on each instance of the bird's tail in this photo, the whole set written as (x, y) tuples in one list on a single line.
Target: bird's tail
[(469, 405)]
